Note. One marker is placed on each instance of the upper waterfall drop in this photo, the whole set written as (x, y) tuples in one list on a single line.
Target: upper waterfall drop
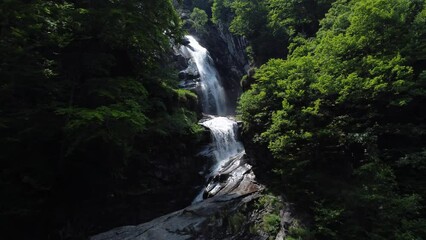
[(213, 95)]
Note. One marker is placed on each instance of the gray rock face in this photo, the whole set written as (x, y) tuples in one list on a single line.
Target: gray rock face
[(190, 76), (218, 217), (193, 222), (189, 84), (236, 177), (236, 47), (192, 69), (228, 53), (191, 72)]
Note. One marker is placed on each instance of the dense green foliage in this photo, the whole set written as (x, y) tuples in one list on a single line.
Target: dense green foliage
[(199, 19), (87, 106), (271, 24), (202, 4), (343, 117)]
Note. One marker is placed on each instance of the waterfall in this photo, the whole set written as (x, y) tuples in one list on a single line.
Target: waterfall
[(223, 149), (229, 179), (225, 145), (213, 96)]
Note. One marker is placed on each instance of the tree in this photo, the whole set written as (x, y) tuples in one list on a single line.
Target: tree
[(270, 25), (199, 19), (85, 87), (342, 119)]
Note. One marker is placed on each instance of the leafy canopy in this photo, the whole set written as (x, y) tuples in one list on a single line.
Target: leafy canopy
[(342, 113)]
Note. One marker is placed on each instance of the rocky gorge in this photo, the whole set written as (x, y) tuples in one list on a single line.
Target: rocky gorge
[(213, 119), (231, 203)]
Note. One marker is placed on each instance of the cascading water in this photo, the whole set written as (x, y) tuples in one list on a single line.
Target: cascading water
[(230, 181), (225, 145), (213, 96), (224, 137)]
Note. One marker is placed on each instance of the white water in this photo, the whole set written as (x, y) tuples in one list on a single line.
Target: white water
[(225, 143), (225, 146), (213, 96)]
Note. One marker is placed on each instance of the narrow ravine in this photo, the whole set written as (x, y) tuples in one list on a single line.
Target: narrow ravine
[(229, 179)]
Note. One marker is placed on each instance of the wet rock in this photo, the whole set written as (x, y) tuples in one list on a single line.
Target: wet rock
[(230, 211), (183, 75), (190, 73), (193, 222), (235, 177), (181, 62), (219, 217), (192, 70), (189, 84), (185, 41)]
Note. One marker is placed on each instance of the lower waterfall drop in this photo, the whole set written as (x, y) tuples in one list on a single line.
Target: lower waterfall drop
[(225, 146)]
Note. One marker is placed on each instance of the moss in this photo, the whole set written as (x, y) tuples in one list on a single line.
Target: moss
[(298, 232), (184, 95), (253, 229), (270, 203), (271, 224), (271, 221), (236, 221)]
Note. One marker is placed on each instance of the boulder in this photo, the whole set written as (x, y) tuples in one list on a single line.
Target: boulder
[(181, 62), (189, 84), (192, 69), (183, 75), (185, 41), (190, 73)]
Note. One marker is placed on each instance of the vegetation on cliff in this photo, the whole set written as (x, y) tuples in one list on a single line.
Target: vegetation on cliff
[(88, 107), (270, 25), (343, 119)]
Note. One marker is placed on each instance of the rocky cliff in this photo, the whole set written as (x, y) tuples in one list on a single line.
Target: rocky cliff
[(235, 205), (237, 209), (227, 51)]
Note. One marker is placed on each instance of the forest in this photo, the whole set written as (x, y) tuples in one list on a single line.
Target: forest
[(88, 103), (342, 115), (95, 130)]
